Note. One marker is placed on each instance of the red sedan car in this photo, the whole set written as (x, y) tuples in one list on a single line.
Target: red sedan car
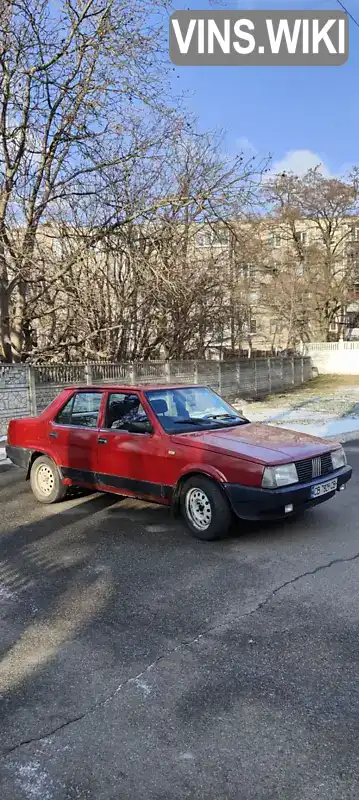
[(178, 445)]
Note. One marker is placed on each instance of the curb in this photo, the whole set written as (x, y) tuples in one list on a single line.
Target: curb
[(3, 459), (344, 437)]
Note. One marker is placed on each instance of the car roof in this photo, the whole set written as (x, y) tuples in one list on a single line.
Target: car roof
[(132, 387)]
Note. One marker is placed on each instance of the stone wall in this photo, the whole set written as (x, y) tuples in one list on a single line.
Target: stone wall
[(14, 394), (27, 390)]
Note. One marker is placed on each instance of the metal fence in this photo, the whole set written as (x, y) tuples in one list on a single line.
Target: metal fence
[(26, 389)]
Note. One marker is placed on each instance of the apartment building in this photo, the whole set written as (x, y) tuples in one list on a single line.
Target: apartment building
[(273, 276), (283, 272)]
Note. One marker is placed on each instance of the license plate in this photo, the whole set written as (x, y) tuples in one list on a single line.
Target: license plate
[(324, 488)]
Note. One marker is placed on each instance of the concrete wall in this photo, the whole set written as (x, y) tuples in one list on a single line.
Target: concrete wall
[(334, 358), (26, 390), (14, 394)]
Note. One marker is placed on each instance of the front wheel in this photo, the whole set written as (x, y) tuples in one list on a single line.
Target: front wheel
[(45, 481), (205, 508)]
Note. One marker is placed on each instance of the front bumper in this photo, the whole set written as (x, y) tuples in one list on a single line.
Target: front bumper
[(252, 503)]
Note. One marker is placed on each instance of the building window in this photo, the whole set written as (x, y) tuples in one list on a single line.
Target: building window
[(220, 236), (58, 247), (273, 326), (211, 237), (353, 264), (246, 271), (274, 239), (353, 319), (203, 238), (302, 237), (248, 326), (354, 233)]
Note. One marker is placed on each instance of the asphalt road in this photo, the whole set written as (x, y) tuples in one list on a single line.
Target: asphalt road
[(140, 664)]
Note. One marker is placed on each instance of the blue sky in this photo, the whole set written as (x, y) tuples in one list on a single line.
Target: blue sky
[(300, 115)]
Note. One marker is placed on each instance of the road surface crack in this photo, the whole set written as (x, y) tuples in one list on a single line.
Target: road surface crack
[(297, 578), (136, 680)]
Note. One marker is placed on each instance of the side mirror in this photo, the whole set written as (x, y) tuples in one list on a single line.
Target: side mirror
[(140, 427)]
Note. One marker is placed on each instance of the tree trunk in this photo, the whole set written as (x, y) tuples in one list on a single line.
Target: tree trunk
[(17, 333), (5, 337)]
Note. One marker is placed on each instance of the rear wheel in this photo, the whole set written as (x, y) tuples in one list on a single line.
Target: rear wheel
[(205, 508), (45, 481)]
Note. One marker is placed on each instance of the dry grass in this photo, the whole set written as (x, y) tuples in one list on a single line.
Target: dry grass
[(322, 386), (333, 382)]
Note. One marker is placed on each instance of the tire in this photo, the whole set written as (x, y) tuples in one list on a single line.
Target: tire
[(205, 509), (45, 481)]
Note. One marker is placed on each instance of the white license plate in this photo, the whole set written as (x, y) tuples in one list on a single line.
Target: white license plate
[(324, 488)]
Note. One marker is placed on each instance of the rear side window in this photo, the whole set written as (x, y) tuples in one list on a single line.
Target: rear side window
[(81, 410), (64, 416)]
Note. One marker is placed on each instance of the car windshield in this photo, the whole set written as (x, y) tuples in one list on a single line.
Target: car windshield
[(192, 408)]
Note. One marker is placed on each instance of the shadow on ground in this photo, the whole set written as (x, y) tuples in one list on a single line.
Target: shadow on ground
[(243, 694)]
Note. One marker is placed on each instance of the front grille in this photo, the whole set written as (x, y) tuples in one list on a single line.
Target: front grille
[(311, 468), (327, 464)]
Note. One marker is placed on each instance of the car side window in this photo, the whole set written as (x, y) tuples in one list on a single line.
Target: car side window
[(64, 416), (81, 410), (122, 409)]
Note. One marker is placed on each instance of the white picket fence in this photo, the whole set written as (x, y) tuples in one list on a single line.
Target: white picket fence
[(334, 358), (331, 346)]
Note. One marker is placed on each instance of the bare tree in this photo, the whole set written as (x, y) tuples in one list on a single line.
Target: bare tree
[(314, 217), (73, 78), (103, 187), (149, 286)]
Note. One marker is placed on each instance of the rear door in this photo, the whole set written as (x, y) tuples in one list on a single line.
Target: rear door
[(74, 433)]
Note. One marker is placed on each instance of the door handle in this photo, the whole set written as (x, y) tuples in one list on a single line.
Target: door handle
[(102, 440), (53, 435)]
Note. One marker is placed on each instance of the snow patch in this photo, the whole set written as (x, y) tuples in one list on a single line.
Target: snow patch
[(34, 781), (188, 756), (156, 528), (143, 685), (5, 593)]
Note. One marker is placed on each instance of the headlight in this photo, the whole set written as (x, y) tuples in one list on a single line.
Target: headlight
[(339, 458), (283, 475)]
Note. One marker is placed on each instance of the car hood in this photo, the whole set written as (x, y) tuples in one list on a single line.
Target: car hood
[(258, 442)]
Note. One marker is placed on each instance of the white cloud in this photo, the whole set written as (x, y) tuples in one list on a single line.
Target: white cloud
[(345, 169), (299, 161), (242, 143)]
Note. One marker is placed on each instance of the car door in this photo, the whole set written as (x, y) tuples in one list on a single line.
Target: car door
[(74, 433), (126, 460)]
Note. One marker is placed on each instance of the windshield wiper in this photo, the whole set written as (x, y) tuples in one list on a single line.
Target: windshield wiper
[(229, 417), (221, 416), (222, 420), (190, 421), (205, 421)]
